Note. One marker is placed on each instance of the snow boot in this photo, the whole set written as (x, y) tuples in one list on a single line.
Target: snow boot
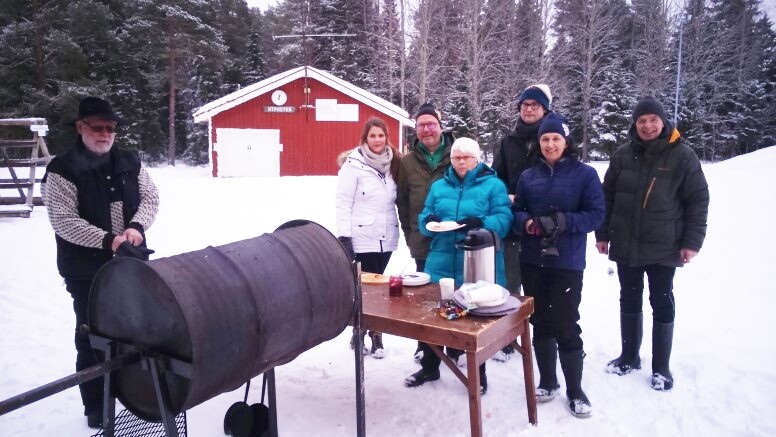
[(377, 344), (421, 377), (457, 355), (365, 350), (546, 351), (662, 339), (631, 330), (483, 380), (94, 419), (504, 354), (418, 353), (571, 363)]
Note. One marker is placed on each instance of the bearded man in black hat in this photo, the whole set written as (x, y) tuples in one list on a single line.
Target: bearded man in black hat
[(657, 203), (100, 201)]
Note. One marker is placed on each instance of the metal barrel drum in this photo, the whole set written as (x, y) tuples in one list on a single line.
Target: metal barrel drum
[(232, 311)]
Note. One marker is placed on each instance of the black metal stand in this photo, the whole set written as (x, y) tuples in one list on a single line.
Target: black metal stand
[(272, 401), (155, 363), (358, 348)]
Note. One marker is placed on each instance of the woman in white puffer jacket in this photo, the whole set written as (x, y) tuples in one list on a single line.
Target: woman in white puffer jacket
[(367, 223)]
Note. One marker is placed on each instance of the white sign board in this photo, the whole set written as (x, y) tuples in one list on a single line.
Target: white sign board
[(330, 110), (325, 110), (347, 112)]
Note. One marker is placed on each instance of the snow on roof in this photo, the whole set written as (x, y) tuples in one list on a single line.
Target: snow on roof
[(206, 112)]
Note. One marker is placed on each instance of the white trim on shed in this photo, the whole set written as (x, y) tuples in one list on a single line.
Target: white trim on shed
[(208, 111)]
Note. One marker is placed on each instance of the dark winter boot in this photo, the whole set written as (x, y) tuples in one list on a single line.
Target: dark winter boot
[(546, 351), (418, 355), (483, 380), (662, 339), (571, 363), (631, 330), (365, 350), (377, 344)]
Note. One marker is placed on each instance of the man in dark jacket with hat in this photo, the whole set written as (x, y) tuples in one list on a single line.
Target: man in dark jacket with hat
[(518, 152), (424, 164), (100, 201), (657, 202)]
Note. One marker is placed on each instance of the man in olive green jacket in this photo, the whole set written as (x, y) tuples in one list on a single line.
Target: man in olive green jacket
[(657, 203), (426, 163), (419, 168)]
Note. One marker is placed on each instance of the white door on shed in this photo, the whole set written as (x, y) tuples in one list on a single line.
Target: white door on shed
[(248, 152)]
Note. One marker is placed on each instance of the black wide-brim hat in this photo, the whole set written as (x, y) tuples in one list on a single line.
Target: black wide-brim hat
[(95, 107)]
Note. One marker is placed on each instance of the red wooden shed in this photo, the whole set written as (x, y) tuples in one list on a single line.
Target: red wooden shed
[(292, 124)]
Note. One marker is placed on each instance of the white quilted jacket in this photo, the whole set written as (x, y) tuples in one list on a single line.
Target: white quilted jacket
[(366, 206)]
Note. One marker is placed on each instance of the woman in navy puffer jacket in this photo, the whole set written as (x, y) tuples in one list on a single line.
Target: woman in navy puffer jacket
[(558, 202)]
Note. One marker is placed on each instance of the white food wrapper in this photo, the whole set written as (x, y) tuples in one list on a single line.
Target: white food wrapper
[(482, 291)]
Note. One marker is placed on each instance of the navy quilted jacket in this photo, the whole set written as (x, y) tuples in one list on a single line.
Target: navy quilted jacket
[(572, 188)]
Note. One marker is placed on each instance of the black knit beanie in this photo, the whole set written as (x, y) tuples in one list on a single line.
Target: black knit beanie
[(428, 109), (649, 105)]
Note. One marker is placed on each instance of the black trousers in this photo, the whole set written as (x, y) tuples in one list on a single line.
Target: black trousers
[(430, 360), (420, 264), (557, 294), (512, 264), (661, 290), (91, 391), (374, 262)]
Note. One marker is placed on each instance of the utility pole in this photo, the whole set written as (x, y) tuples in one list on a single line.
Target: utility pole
[(678, 70), (304, 35)]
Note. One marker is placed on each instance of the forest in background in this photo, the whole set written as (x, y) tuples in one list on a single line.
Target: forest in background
[(157, 61)]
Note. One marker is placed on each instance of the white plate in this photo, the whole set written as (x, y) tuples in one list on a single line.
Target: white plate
[(415, 278), (443, 226)]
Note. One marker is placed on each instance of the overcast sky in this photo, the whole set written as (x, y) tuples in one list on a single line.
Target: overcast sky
[(261, 4), (769, 6)]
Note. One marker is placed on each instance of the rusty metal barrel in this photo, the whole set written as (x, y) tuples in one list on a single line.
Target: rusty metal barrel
[(232, 311)]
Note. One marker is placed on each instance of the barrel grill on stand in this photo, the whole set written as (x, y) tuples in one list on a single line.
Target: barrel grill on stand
[(231, 311)]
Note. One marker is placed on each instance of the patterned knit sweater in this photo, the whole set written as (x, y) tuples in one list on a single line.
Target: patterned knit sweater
[(90, 199)]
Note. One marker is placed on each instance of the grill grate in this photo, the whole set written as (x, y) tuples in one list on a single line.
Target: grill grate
[(129, 425)]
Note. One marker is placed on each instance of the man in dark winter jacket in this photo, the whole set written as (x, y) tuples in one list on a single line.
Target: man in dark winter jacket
[(100, 201), (427, 162), (518, 152), (419, 168), (657, 202)]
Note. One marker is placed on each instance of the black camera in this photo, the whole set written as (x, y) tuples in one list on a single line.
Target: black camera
[(551, 227)]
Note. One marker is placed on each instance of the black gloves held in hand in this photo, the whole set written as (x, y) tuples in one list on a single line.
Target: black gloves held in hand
[(470, 223), (347, 243), (433, 218), (552, 225), (138, 252)]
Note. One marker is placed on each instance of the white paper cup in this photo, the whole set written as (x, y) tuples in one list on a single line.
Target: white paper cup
[(447, 287)]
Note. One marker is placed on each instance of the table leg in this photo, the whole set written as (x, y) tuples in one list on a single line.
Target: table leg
[(473, 387), (530, 391)]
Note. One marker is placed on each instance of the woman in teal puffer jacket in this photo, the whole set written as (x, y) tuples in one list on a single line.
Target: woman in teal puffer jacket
[(471, 194)]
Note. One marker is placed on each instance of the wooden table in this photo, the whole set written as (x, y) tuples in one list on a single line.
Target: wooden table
[(414, 316)]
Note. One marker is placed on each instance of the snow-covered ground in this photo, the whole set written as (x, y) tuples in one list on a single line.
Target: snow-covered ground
[(723, 360)]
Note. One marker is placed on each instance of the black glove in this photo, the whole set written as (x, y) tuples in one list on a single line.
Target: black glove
[(560, 221), (470, 223), (553, 225), (347, 243), (432, 218), (138, 252)]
